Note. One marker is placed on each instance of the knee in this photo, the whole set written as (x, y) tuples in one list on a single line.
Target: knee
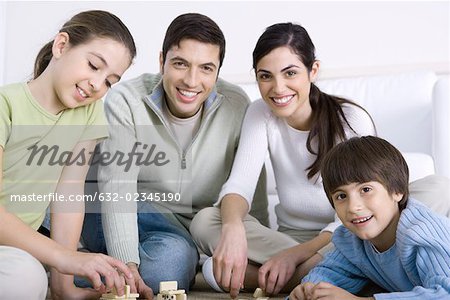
[(22, 276), (168, 257), (204, 223)]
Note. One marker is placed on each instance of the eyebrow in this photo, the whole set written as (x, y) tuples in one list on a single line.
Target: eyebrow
[(99, 56), (211, 64), (282, 70)]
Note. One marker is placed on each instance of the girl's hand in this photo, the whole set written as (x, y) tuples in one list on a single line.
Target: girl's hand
[(94, 266), (71, 292)]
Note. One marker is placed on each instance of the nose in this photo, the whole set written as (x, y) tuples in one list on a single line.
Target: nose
[(191, 78), (96, 83), (278, 86), (355, 204)]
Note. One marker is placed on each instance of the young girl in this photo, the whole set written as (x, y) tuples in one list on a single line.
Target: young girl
[(48, 128), (296, 124)]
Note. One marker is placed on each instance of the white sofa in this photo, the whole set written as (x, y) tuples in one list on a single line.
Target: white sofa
[(410, 110)]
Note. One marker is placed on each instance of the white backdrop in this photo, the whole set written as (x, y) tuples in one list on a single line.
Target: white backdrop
[(349, 36)]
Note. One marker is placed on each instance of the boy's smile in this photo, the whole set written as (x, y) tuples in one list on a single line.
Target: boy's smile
[(369, 211)]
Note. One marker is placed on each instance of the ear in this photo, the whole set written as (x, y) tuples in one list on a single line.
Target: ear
[(161, 63), (60, 44), (397, 197), (314, 71)]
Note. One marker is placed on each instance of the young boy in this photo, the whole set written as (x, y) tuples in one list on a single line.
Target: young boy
[(396, 242)]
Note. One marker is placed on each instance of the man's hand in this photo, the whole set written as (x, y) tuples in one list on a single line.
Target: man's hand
[(137, 284)]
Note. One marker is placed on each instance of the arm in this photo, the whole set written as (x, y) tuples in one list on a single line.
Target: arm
[(230, 256), (323, 291), (13, 232), (424, 249), (339, 271), (298, 260), (120, 218), (67, 219)]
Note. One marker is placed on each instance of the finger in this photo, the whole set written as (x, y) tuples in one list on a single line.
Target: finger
[(237, 278), (145, 291), (262, 277), (307, 289), (280, 283), (295, 294), (119, 266), (319, 290), (131, 282), (271, 281), (108, 278), (95, 279), (119, 284), (88, 293), (226, 277), (217, 270)]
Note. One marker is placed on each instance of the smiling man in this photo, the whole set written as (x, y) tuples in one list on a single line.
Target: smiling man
[(195, 119)]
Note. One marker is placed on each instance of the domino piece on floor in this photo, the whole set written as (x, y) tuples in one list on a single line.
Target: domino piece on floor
[(168, 286), (259, 293), (172, 297), (126, 296), (171, 292)]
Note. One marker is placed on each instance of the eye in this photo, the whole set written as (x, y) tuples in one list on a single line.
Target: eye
[(339, 196), (291, 73), (366, 189), (264, 77), (92, 66), (179, 64), (208, 69)]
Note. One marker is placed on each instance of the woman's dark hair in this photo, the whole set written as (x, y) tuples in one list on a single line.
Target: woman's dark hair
[(82, 28), (197, 27), (364, 159), (327, 115)]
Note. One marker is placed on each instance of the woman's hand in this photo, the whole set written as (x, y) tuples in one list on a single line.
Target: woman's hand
[(230, 258), (277, 271)]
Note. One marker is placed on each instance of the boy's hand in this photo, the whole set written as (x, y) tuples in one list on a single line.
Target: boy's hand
[(302, 291), (327, 291)]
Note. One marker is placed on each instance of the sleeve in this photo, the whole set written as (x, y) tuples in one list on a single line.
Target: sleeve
[(5, 120), (359, 120), (119, 179), (434, 272), (339, 271), (426, 238), (250, 156), (96, 127), (331, 227)]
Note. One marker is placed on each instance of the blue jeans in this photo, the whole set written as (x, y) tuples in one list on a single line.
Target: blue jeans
[(167, 252)]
